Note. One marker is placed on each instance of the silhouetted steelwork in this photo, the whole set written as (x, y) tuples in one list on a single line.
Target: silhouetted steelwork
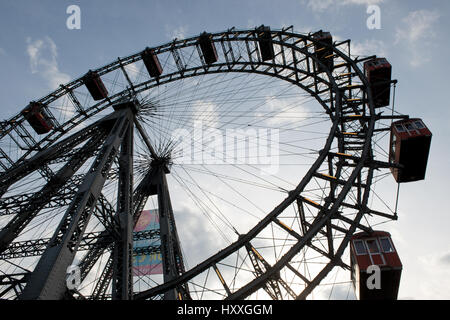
[(310, 61)]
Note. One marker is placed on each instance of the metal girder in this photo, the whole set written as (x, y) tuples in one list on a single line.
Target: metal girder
[(13, 282), (155, 183), (15, 204), (222, 280), (104, 281), (48, 279), (21, 169), (165, 212), (122, 284), (74, 100), (95, 242), (324, 272), (260, 265), (91, 257), (66, 156), (143, 191), (40, 199), (105, 212), (96, 245), (297, 236), (104, 242), (145, 137), (178, 60)]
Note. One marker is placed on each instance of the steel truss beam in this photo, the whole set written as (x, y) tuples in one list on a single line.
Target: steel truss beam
[(105, 242), (23, 168), (122, 288), (40, 199), (173, 264), (93, 241), (103, 282), (152, 184), (13, 282), (48, 279), (260, 265), (104, 211), (96, 243)]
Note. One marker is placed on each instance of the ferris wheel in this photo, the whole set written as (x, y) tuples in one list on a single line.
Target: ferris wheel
[(232, 165)]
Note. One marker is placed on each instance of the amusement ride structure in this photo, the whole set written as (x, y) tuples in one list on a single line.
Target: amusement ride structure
[(80, 166)]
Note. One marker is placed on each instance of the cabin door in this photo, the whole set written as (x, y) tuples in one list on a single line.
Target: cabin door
[(376, 257)]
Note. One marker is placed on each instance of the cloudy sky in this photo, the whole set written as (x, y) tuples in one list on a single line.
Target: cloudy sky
[(38, 52)]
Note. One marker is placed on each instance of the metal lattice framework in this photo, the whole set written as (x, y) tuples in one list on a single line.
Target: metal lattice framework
[(89, 155)]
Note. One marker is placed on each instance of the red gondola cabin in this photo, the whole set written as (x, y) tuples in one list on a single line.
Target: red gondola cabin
[(95, 85), (38, 119), (378, 72), (151, 62), (410, 146), (208, 48), (265, 43), (323, 53), (375, 249)]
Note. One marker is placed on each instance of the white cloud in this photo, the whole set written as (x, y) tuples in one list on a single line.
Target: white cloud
[(417, 26), (438, 260), (133, 71), (283, 112), (369, 47), (435, 278), (206, 111), (416, 33), (177, 32), (361, 2), (337, 292), (43, 55), (321, 5), (199, 239), (445, 258)]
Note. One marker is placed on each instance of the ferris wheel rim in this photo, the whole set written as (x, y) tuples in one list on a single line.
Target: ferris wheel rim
[(192, 41)]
